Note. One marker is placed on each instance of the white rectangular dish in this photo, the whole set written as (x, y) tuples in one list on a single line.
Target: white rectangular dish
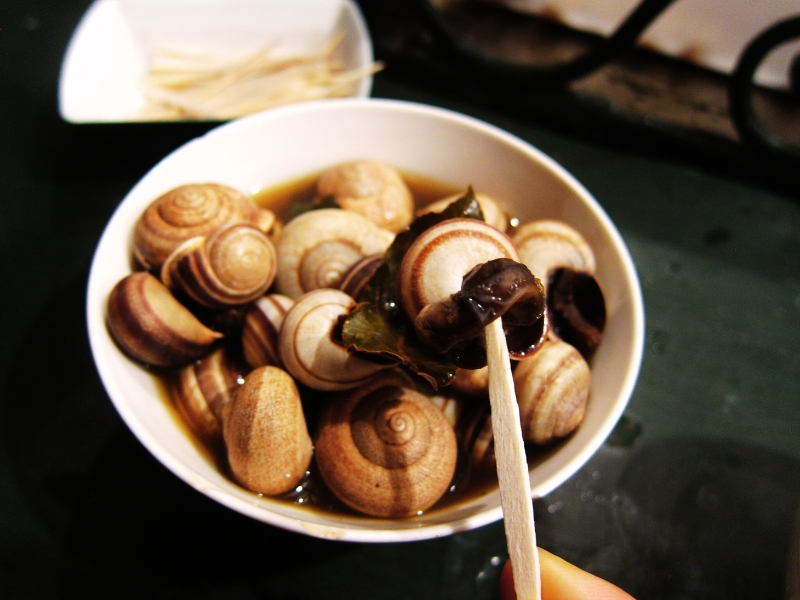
[(106, 63)]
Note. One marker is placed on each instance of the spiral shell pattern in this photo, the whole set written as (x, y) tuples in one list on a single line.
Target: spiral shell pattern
[(233, 266), (189, 211), (150, 325), (317, 248), (385, 450), (434, 266), (308, 348)]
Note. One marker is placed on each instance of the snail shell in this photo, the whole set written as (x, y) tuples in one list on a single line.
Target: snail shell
[(473, 382), (545, 245), (309, 350), (261, 327), (150, 325), (317, 248), (233, 266), (359, 275), (493, 214), (371, 188), (479, 439), (269, 449), (189, 211), (202, 389), (552, 388), (385, 450), (434, 266)]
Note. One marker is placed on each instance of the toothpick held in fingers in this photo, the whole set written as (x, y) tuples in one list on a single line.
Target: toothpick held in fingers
[(512, 467)]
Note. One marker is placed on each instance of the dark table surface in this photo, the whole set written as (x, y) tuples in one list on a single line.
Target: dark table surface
[(694, 495)]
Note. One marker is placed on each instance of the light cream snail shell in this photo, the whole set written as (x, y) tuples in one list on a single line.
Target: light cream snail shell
[(265, 432), (434, 266), (234, 265), (547, 244), (371, 188), (202, 389), (472, 382), (308, 348), (385, 450), (260, 330), (189, 211), (552, 388), (150, 325), (493, 213), (317, 248)]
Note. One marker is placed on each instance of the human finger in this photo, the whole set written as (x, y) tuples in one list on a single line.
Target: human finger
[(563, 581)]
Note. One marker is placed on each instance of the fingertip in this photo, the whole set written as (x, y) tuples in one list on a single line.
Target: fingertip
[(562, 580)]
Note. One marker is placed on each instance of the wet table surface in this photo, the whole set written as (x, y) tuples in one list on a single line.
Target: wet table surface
[(693, 496)]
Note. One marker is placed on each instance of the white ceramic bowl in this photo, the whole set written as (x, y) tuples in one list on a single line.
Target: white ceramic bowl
[(106, 60), (280, 145)]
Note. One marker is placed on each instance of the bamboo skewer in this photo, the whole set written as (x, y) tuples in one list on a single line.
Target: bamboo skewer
[(512, 467)]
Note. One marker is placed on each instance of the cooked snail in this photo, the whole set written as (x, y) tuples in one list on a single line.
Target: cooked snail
[(563, 259), (435, 264), (493, 214), (371, 188), (202, 389), (479, 439), (552, 389), (261, 327), (269, 449), (234, 265), (546, 245), (309, 347), (385, 450), (189, 211), (317, 248), (150, 325)]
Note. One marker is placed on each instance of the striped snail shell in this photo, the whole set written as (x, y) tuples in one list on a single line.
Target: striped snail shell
[(561, 257), (309, 347), (202, 389), (260, 330), (150, 325), (233, 266), (359, 275), (189, 211), (371, 188), (479, 439), (552, 388), (545, 245), (265, 432), (434, 266), (317, 248), (385, 450)]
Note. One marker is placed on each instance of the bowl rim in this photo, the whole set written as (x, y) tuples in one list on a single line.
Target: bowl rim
[(97, 333)]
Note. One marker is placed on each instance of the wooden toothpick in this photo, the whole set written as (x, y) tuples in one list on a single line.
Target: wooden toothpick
[(512, 467)]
